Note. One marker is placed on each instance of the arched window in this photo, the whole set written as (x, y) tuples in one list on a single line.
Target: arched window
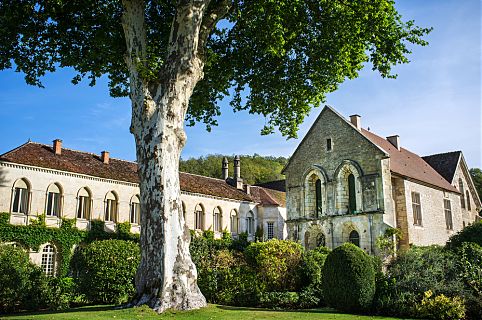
[(217, 219), (110, 207), (250, 223), (135, 210), (351, 193), (84, 204), (54, 200), (321, 241), (199, 217), (354, 238), (21, 196), (467, 195), (234, 221), (318, 197), (48, 260), (314, 190), (462, 193)]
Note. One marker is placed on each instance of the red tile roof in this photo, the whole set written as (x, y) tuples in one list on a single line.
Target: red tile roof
[(268, 196), (409, 164), (41, 155)]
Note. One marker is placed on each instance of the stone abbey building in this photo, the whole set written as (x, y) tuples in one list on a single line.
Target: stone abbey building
[(38, 179), (345, 183)]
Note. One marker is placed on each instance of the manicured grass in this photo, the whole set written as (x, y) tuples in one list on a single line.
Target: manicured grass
[(213, 312)]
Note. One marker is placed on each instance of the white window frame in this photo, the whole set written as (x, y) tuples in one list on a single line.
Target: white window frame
[(48, 260), (270, 230)]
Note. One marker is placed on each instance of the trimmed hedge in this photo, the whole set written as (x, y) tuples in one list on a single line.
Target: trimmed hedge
[(348, 279)]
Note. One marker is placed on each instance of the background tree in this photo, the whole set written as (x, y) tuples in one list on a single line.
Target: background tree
[(176, 60), (254, 169), (476, 174)]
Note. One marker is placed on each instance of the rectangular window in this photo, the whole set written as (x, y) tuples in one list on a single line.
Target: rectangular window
[(448, 214), (110, 210), (20, 200), (328, 144), (53, 204), (417, 209), (83, 210), (270, 230), (135, 209)]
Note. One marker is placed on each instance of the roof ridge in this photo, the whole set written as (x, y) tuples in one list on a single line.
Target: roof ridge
[(442, 153)]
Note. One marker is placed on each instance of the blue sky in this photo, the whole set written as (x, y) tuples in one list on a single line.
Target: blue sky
[(434, 104)]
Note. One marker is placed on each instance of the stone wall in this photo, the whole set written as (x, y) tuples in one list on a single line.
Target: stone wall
[(40, 179)]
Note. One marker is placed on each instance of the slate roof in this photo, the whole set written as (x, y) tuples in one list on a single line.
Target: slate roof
[(409, 164), (279, 185), (41, 155), (444, 163)]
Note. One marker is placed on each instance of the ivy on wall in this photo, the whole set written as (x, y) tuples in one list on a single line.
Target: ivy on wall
[(65, 238)]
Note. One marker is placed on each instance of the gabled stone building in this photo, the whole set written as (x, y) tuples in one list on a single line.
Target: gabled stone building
[(345, 183), (37, 179)]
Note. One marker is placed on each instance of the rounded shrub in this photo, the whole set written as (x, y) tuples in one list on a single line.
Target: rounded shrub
[(105, 270), (23, 286), (471, 233), (348, 279)]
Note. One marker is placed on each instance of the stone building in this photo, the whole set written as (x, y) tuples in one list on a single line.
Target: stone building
[(344, 183), (38, 179)]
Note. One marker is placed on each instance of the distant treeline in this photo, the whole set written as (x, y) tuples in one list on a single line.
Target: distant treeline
[(254, 169)]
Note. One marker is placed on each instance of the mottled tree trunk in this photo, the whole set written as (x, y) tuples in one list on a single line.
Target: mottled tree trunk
[(167, 277)]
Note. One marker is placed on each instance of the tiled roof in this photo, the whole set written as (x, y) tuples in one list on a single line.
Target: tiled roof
[(41, 155), (279, 185), (409, 164), (444, 163), (268, 196)]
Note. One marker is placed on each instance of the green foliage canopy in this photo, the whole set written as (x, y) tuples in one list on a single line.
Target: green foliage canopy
[(274, 58), (476, 174)]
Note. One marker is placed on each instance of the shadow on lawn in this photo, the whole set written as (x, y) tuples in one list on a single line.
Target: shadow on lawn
[(79, 309), (321, 310)]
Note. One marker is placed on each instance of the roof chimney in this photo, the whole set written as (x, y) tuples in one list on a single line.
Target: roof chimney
[(395, 140), (356, 121), (104, 156), (57, 146), (225, 168), (237, 173)]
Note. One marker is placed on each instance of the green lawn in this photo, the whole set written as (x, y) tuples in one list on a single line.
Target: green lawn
[(212, 312)]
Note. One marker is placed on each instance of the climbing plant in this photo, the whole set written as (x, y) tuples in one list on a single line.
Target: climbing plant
[(65, 237)]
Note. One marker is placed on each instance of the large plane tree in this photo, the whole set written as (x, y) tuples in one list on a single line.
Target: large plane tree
[(176, 59)]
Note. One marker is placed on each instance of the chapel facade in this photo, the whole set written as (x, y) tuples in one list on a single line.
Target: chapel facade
[(38, 179), (346, 184)]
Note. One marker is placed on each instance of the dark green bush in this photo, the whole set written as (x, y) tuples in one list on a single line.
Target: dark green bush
[(413, 273), (105, 270), (469, 264), (348, 279), (23, 286), (278, 263), (311, 294), (279, 300), (471, 233), (63, 292)]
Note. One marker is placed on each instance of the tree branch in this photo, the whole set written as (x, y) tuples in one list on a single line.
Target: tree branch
[(216, 11)]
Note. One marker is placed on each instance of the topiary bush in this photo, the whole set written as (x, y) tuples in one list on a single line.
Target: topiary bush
[(348, 279), (471, 233), (105, 270), (278, 263)]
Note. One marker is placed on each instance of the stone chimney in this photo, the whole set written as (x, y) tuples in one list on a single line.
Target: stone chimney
[(225, 168), (237, 173), (356, 121), (104, 156), (395, 140), (57, 146)]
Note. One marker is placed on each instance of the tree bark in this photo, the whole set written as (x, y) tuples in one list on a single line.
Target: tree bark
[(167, 277)]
